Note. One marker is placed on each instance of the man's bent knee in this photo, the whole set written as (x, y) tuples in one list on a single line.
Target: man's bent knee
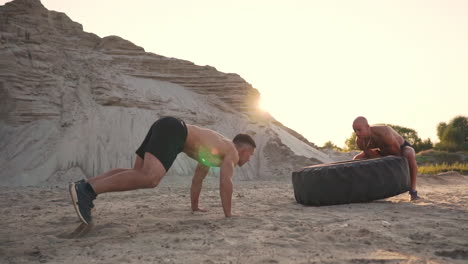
[(409, 153), (153, 184), (152, 180), (153, 170), (138, 163)]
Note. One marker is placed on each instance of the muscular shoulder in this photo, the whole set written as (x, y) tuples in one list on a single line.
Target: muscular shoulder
[(231, 152), (380, 129), (388, 135)]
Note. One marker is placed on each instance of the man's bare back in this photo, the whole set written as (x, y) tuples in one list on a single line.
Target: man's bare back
[(209, 147)]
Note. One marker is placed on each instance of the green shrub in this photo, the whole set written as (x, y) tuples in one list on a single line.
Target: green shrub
[(438, 157), (453, 136)]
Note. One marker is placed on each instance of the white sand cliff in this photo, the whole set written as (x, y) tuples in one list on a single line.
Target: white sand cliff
[(74, 105)]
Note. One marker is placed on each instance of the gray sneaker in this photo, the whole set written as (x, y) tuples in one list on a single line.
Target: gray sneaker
[(93, 208), (414, 196), (82, 198)]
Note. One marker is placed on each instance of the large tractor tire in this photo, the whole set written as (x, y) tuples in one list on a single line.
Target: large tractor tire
[(352, 181)]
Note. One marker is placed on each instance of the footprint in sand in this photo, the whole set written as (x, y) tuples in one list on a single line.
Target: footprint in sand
[(80, 231), (419, 236), (269, 260), (454, 254)]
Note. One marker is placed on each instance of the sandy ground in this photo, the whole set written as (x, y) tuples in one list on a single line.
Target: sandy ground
[(156, 226)]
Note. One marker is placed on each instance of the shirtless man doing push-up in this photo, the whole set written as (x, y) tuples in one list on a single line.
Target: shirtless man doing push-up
[(166, 138), (377, 141)]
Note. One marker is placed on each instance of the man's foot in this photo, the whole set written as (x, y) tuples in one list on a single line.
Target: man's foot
[(93, 208), (414, 195), (82, 198)]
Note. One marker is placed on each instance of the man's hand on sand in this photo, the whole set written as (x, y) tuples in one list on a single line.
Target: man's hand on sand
[(203, 210), (232, 216)]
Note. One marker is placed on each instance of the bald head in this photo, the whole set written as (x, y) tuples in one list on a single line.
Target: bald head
[(360, 120), (361, 127)]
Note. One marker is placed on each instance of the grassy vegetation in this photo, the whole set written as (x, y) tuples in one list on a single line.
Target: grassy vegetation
[(444, 167), (434, 162), (439, 157)]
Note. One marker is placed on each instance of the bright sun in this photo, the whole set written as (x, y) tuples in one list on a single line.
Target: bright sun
[(263, 104)]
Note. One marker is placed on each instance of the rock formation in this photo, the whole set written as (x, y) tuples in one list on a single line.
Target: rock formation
[(73, 104)]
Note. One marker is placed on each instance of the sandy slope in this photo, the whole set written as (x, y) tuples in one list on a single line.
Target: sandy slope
[(156, 226), (101, 138), (74, 103)]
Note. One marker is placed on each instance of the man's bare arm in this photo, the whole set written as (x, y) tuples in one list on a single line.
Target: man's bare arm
[(200, 173), (225, 185), (366, 152)]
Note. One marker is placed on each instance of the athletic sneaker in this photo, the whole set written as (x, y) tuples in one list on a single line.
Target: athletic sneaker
[(414, 195), (82, 197), (93, 208)]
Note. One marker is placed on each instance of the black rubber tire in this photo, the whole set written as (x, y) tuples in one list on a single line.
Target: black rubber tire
[(352, 181)]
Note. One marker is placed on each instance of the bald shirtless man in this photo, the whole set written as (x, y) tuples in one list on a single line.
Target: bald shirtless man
[(378, 141), (166, 138)]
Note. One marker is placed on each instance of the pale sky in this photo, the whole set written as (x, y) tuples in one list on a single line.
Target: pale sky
[(317, 64)]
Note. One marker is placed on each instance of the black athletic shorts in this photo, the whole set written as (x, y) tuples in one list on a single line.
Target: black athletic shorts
[(406, 143), (165, 140)]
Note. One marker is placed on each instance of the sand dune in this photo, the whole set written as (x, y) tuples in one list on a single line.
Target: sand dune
[(74, 104), (156, 226)]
